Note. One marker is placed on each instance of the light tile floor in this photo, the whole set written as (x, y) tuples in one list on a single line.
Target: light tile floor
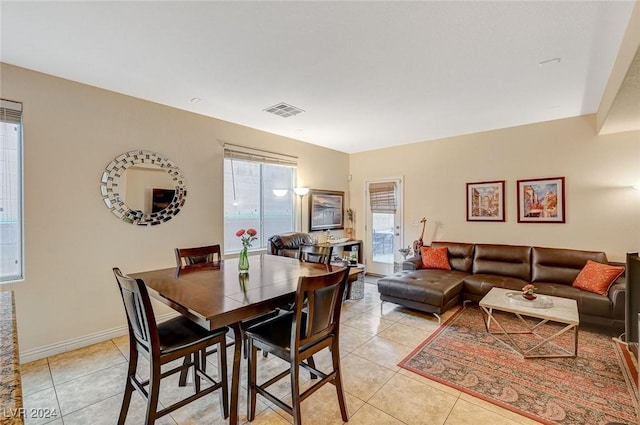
[(85, 386)]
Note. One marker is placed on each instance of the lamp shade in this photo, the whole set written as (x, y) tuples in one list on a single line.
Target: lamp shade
[(301, 191)]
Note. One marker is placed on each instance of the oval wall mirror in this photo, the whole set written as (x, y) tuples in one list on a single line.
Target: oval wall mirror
[(143, 188)]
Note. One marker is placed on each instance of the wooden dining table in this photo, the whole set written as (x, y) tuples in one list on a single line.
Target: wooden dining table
[(219, 296)]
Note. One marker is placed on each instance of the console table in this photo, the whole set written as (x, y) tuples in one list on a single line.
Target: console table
[(344, 245)]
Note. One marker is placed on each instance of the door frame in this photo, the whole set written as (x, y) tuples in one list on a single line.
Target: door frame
[(399, 239)]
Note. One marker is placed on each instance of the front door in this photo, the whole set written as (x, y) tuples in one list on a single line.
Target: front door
[(384, 225)]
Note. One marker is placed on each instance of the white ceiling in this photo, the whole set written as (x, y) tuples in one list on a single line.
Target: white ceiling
[(368, 74)]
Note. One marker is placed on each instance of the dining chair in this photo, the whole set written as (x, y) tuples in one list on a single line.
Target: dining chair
[(312, 254), (161, 343), (194, 258), (294, 337), (190, 259), (315, 254)]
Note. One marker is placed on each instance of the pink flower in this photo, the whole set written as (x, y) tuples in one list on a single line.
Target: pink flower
[(239, 233), (252, 232)]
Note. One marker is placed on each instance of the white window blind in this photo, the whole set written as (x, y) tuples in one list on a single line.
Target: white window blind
[(242, 153), (10, 112), (382, 197), (11, 214)]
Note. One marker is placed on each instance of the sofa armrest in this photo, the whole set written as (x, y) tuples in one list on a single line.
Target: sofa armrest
[(412, 263), (617, 297)]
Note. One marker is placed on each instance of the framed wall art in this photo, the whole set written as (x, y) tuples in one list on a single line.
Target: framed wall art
[(326, 210), (485, 201), (541, 200)]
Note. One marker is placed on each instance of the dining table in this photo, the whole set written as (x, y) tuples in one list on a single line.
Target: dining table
[(219, 295)]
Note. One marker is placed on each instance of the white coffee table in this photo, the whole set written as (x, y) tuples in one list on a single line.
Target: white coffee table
[(545, 307)]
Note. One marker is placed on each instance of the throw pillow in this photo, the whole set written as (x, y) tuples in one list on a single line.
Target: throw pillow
[(435, 258), (597, 277)]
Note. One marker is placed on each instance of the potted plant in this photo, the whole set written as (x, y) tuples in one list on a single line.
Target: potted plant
[(529, 292), (350, 231)]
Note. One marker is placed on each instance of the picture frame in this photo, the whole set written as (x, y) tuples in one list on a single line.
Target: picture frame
[(541, 200), (485, 201), (326, 210)]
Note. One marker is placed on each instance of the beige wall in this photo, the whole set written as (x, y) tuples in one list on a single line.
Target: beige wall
[(71, 132), (603, 211)]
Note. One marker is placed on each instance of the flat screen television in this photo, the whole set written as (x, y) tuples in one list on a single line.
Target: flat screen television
[(161, 199)]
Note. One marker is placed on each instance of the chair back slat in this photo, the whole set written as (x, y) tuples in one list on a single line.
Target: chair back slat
[(317, 307), (137, 304), (315, 254)]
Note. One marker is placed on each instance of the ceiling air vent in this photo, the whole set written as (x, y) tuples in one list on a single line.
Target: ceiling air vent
[(284, 110)]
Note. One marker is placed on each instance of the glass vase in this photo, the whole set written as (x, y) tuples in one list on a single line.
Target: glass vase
[(243, 261)]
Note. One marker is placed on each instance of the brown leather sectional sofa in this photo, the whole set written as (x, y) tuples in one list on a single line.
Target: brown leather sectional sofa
[(476, 268)]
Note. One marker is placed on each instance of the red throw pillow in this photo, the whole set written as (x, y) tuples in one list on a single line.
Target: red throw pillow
[(435, 258), (597, 277)]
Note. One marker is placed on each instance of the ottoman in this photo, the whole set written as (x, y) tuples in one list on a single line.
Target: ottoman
[(434, 292)]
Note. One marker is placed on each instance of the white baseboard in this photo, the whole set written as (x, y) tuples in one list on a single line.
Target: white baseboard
[(83, 341)]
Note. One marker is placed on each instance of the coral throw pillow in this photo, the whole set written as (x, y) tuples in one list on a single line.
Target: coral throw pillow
[(435, 258), (597, 277)]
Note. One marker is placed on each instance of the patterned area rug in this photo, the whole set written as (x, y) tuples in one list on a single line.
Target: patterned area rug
[(597, 387)]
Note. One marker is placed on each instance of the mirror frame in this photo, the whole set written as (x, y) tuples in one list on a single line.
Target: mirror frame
[(109, 187)]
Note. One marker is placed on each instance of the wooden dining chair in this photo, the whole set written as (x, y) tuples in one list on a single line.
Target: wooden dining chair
[(190, 259), (315, 254), (294, 337), (195, 258), (161, 343)]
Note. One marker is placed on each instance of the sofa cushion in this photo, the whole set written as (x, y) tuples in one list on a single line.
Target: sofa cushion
[(588, 302), (435, 258), (560, 265), (503, 260), (476, 286), (597, 277), (460, 255)]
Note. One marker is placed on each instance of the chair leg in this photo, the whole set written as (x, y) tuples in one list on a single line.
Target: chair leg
[(251, 381), (154, 392), (245, 348), (312, 363), (222, 378), (335, 356), (128, 389), (295, 392), (197, 359), (184, 372)]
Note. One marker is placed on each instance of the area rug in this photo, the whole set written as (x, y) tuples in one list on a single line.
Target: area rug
[(596, 387)]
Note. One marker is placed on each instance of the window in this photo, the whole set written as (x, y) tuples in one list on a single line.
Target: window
[(11, 220), (257, 194), (383, 203)]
